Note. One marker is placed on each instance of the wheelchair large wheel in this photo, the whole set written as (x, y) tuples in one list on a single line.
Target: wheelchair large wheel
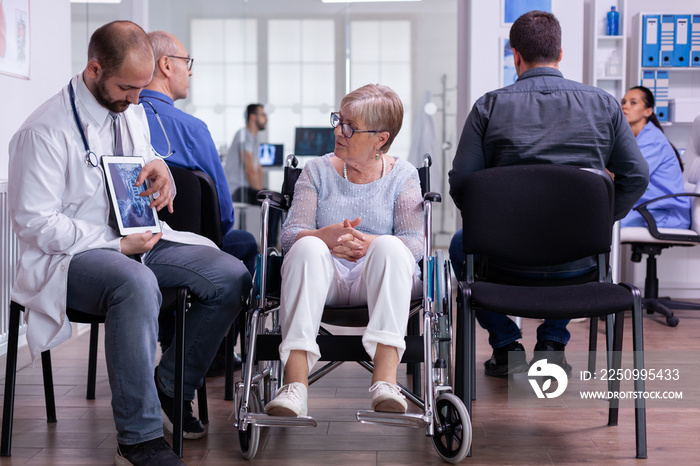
[(249, 439), (453, 432)]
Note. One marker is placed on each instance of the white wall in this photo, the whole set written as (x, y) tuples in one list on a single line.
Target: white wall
[(49, 70)]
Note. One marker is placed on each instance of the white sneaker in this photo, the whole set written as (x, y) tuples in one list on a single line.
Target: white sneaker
[(289, 401), (387, 397)]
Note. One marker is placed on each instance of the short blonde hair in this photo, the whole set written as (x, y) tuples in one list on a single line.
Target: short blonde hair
[(379, 107)]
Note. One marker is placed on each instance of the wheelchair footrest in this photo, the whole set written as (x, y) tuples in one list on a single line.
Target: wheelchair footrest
[(392, 419), (263, 420), (336, 348)]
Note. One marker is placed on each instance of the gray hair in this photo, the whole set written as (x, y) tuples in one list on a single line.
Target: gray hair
[(163, 45)]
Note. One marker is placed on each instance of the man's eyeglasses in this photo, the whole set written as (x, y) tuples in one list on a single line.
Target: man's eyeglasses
[(347, 130), (189, 61)]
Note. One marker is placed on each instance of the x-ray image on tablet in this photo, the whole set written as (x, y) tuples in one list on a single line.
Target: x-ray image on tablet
[(133, 212)]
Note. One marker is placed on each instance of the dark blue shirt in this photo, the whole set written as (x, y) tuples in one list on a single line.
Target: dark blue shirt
[(193, 145), (544, 118)]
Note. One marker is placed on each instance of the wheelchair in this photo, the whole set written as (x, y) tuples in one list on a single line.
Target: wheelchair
[(444, 416)]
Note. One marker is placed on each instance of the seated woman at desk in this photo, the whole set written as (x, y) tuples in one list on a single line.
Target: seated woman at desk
[(665, 166), (353, 235)]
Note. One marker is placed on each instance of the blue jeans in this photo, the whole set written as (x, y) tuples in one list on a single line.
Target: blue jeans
[(502, 330), (241, 244), (238, 243), (106, 282)]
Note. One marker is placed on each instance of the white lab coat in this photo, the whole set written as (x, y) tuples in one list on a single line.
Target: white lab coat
[(59, 205)]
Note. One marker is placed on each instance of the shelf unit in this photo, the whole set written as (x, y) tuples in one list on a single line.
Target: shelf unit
[(600, 73), (683, 82)]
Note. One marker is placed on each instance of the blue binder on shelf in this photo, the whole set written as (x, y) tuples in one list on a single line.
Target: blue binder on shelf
[(681, 46), (651, 31), (661, 95), (668, 37), (649, 80), (695, 41)]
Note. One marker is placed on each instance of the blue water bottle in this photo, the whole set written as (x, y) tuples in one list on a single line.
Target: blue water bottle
[(613, 22)]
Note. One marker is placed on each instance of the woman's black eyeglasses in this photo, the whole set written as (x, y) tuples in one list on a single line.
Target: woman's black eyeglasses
[(347, 130)]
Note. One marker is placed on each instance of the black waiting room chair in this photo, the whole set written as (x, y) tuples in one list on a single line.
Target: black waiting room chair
[(543, 215)]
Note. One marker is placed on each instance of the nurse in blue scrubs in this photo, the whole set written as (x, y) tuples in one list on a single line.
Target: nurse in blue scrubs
[(665, 166)]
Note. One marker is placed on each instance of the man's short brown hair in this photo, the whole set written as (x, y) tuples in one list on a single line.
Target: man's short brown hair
[(536, 36)]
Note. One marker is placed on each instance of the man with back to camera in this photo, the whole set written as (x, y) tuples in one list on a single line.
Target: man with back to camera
[(242, 165), (543, 118), (71, 257)]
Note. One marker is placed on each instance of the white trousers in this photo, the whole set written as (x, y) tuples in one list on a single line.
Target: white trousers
[(311, 278)]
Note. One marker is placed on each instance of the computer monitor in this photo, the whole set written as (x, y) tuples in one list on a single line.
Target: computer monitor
[(271, 155), (314, 141)]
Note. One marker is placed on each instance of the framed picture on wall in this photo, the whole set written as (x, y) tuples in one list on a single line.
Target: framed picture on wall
[(507, 69), (14, 38), (512, 9)]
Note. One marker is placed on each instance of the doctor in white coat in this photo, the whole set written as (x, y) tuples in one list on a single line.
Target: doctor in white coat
[(71, 257)]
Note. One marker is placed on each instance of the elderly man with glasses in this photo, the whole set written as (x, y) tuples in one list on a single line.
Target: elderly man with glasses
[(184, 141)]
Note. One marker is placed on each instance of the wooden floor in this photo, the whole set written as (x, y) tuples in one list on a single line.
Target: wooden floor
[(84, 433)]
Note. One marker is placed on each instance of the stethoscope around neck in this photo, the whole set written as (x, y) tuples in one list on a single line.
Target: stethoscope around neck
[(91, 159)]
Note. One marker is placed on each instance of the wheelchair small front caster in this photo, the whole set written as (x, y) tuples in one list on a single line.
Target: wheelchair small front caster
[(453, 434), (249, 439)]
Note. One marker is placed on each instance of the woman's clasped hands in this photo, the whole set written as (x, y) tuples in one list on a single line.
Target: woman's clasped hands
[(345, 242)]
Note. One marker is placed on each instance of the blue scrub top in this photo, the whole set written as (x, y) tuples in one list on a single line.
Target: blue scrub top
[(665, 177)]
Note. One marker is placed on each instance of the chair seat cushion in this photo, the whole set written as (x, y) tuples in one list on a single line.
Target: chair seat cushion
[(642, 235), (552, 302)]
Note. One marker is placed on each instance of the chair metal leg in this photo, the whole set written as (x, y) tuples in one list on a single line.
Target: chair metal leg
[(461, 365), (10, 379), (472, 359), (92, 361), (640, 403), (179, 397), (202, 402), (49, 397), (592, 343), (609, 335), (230, 344), (614, 385)]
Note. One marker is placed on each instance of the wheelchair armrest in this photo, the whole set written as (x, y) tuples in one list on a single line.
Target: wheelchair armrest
[(651, 222), (432, 197), (277, 200)]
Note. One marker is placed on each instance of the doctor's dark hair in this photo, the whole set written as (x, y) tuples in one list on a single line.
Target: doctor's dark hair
[(649, 102), (536, 36), (110, 44)]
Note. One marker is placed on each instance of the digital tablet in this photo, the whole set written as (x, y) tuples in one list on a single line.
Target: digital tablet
[(132, 212)]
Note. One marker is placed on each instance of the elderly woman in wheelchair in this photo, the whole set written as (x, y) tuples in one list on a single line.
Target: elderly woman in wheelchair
[(353, 235)]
